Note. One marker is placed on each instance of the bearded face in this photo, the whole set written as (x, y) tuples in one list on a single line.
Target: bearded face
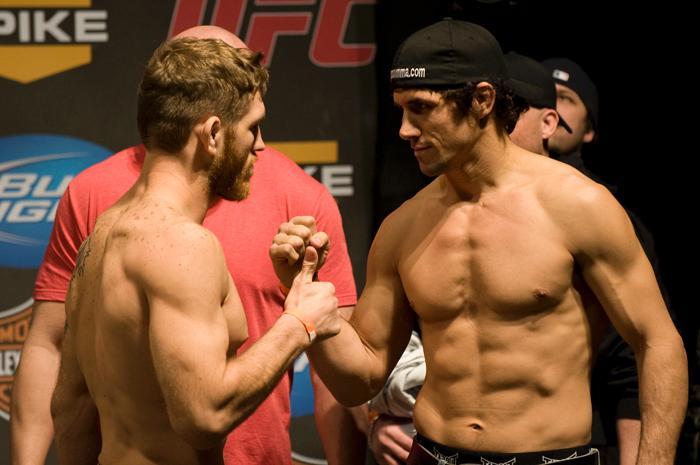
[(230, 172)]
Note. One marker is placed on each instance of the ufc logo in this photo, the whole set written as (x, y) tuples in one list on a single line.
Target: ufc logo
[(327, 49)]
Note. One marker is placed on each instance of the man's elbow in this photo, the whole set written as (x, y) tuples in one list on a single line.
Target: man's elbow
[(354, 401), (358, 395), (671, 341), (202, 430), (668, 350), (680, 351)]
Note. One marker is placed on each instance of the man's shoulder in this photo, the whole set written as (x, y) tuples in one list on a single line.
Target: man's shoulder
[(572, 199), (426, 199), (182, 232), (556, 182), (423, 204), (574, 186), (177, 246)]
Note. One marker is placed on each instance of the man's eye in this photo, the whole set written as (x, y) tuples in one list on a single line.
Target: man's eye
[(418, 107)]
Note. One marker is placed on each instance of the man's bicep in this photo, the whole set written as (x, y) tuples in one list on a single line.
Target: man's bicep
[(617, 270), (630, 297), (383, 316), (187, 329), (184, 338), (184, 313)]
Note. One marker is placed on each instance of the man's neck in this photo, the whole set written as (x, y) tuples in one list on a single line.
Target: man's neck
[(485, 168), (173, 178)]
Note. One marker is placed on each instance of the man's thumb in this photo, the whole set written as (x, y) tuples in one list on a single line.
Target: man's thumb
[(308, 268)]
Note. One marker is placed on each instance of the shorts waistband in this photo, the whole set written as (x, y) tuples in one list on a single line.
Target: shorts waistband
[(445, 455)]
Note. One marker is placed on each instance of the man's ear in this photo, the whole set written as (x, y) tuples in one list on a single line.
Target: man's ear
[(209, 134), (484, 100), (588, 136), (548, 122)]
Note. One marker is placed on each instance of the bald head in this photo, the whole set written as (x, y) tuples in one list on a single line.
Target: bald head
[(212, 32)]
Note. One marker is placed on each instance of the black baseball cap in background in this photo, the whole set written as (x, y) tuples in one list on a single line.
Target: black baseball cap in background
[(568, 73), (528, 70)]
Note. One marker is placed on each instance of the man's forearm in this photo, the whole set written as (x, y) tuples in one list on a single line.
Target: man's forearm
[(343, 442), (206, 407), (628, 434), (31, 428), (663, 396), (346, 367)]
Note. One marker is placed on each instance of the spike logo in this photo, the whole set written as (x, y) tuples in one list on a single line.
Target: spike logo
[(41, 38)]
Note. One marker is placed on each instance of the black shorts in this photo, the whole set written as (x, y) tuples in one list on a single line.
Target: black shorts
[(427, 452)]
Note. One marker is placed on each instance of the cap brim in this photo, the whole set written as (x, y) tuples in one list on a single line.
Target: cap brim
[(564, 124), (523, 89)]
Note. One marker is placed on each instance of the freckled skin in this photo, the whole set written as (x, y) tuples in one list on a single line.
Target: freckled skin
[(122, 236)]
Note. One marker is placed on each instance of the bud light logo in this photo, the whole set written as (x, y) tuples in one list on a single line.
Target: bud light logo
[(302, 391), (306, 445), (34, 172)]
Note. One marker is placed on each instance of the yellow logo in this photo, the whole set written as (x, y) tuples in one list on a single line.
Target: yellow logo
[(14, 328), (309, 151), (319, 158), (40, 38)]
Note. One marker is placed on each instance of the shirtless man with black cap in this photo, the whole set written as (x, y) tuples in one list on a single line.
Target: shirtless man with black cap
[(494, 260)]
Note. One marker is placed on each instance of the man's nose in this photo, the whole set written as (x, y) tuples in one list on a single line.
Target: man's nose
[(408, 130)]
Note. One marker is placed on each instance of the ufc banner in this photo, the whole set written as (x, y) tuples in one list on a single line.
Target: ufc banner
[(69, 70)]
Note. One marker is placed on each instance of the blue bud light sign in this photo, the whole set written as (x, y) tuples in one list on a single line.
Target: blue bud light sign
[(35, 170)]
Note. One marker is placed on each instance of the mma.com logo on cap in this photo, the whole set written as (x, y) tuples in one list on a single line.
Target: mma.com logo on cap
[(40, 38), (34, 172)]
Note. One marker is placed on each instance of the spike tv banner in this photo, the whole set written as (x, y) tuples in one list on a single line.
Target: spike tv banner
[(69, 70)]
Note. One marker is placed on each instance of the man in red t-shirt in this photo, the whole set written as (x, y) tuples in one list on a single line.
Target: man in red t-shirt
[(279, 190)]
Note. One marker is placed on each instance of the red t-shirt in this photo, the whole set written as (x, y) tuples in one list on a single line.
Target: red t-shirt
[(279, 190)]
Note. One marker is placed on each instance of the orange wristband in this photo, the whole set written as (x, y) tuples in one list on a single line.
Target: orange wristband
[(308, 326)]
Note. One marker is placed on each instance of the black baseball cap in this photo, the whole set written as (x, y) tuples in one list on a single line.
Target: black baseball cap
[(528, 70), (566, 72), (452, 53)]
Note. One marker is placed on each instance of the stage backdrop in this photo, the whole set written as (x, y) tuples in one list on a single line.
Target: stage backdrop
[(68, 76)]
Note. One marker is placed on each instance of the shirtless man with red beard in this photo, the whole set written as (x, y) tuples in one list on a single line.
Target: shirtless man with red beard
[(149, 372)]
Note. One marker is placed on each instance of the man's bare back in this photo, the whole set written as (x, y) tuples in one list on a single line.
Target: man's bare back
[(154, 319), (109, 319)]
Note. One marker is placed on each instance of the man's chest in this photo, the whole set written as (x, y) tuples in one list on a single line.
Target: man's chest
[(509, 259)]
